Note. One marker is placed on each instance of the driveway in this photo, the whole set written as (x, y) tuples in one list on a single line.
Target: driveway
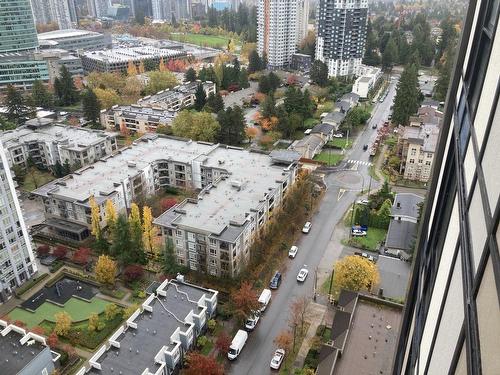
[(318, 250), (235, 98)]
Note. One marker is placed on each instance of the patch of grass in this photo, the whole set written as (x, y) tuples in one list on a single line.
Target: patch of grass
[(36, 178), (207, 348), (329, 158), (115, 293), (324, 107), (325, 287), (371, 241), (214, 41), (340, 143), (310, 123), (78, 310)]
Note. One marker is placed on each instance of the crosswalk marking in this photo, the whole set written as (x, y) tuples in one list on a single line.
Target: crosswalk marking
[(359, 162)]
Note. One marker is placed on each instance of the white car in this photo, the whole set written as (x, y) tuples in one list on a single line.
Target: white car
[(338, 135), (251, 322), (307, 227), (363, 201), (279, 354), (358, 233), (302, 275), (293, 251), (369, 257)]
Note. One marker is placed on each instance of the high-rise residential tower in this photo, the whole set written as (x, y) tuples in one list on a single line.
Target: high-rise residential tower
[(451, 322), (279, 29), (58, 11), (341, 35), (17, 263), (98, 8), (17, 42)]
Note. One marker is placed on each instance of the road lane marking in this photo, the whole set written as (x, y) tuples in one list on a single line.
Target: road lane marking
[(341, 194)]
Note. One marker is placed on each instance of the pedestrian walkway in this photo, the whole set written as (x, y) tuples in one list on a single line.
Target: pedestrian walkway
[(315, 315), (359, 162), (123, 301)]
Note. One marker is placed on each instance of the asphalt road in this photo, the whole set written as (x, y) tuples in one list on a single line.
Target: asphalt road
[(258, 351)]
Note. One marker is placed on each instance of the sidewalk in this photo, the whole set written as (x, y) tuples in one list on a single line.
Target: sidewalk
[(315, 314)]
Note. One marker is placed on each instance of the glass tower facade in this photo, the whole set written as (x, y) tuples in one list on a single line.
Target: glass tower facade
[(17, 29), (451, 322), (18, 39)]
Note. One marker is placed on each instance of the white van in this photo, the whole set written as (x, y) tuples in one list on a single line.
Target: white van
[(264, 299), (237, 344)]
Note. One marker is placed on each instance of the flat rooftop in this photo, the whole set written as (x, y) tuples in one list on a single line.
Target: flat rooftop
[(149, 113), (372, 340), (67, 33), (138, 347), (115, 55), (252, 177), (14, 356), (178, 92), (394, 275), (71, 137)]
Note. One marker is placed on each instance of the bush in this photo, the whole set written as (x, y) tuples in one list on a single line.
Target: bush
[(133, 272), (202, 341), (81, 256), (167, 203), (43, 250), (56, 266), (60, 252), (30, 284)]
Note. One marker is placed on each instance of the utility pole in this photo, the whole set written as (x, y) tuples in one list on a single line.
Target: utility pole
[(352, 217), (331, 286), (370, 185)]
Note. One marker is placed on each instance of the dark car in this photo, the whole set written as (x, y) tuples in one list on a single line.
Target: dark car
[(365, 147), (275, 281)]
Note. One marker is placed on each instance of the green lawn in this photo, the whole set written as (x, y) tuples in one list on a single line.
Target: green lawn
[(329, 158), (371, 241), (78, 310), (214, 41), (340, 143), (310, 122), (36, 178)]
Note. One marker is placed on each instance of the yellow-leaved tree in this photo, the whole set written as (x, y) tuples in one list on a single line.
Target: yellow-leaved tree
[(105, 270), (111, 215), (355, 273), (141, 67), (135, 225), (162, 67), (63, 323), (95, 216), (149, 231), (131, 69)]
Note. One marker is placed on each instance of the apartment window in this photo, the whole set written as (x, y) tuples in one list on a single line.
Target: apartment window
[(213, 242), (213, 251), (412, 161), (178, 233)]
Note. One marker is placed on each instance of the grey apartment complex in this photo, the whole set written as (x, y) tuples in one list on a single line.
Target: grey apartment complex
[(155, 339), (74, 40), (452, 319), (47, 144), (153, 110), (238, 190), (24, 353)]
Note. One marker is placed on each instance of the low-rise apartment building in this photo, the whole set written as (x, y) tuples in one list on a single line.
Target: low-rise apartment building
[(23, 352), (418, 146), (117, 59), (368, 77), (156, 338), (154, 110), (238, 191), (45, 144)]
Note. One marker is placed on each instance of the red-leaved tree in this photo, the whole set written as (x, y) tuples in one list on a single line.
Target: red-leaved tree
[(244, 301), (81, 256), (167, 203), (223, 342), (133, 272), (60, 252), (200, 364), (38, 330), (43, 250), (53, 340)]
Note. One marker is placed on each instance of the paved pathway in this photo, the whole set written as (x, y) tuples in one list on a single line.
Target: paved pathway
[(315, 315)]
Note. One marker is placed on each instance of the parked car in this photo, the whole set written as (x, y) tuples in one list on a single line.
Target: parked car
[(275, 281), (338, 135), (307, 227), (293, 251), (264, 299), (374, 126), (363, 201), (365, 147), (237, 344), (369, 257), (279, 354), (301, 277), (358, 233), (252, 321)]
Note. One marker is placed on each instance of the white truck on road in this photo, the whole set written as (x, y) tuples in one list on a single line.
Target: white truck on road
[(237, 344), (264, 299)]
